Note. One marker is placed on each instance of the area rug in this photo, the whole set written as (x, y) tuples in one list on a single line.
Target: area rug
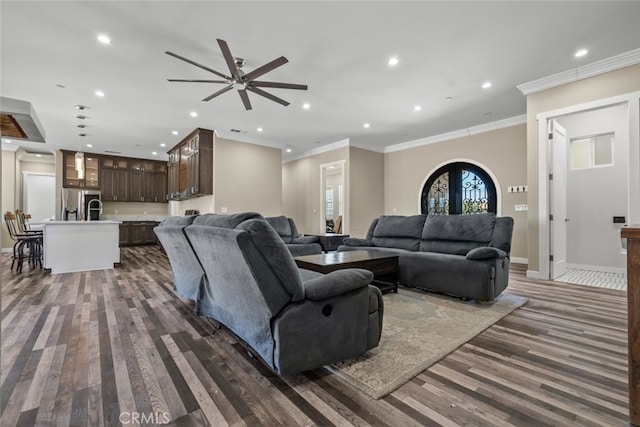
[(419, 329)]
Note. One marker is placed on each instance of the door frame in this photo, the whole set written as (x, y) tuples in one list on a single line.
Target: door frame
[(632, 100), (323, 167)]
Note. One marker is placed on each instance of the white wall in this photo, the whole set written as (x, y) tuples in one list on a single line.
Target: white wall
[(595, 195)]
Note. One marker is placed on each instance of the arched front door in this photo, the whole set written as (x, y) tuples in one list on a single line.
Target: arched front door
[(459, 188)]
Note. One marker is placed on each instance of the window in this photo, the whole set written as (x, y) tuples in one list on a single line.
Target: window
[(591, 152), (459, 188)]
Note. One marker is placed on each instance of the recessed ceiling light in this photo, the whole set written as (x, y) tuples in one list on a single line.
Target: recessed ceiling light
[(580, 53), (448, 98), (38, 155), (366, 125), (155, 153), (259, 129), (89, 145), (80, 107), (306, 106), (175, 132), (193, 114), (104, 39), (288, 149), (99, 93), (162, 144), (417, 108), (486, 85), (393, 61)]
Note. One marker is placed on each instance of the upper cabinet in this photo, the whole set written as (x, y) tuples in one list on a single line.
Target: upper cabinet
[(190, 167), (120, 179), (71, 178)]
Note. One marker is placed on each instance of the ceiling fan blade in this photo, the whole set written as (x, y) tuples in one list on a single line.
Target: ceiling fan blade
[(198, 81), (211, 70), (231, 63), (267, 95), (245, 99), (257, 83), (265, 69), (220, 92)]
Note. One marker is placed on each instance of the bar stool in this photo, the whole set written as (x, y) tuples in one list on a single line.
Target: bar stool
[(31, 241)]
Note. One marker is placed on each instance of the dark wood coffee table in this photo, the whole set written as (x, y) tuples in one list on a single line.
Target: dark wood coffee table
[(329, 241), (384, 266)]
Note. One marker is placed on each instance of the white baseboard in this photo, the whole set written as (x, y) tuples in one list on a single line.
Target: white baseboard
[(532, 274), (7, 250), (601, 268), (519, 260)]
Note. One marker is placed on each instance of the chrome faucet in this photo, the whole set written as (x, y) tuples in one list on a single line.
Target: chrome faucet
[(89, 208)]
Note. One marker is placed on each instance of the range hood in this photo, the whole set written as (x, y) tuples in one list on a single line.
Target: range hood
[(18, 120)]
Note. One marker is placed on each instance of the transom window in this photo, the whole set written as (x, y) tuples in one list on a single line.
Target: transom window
[(459, 188), (592, 152)]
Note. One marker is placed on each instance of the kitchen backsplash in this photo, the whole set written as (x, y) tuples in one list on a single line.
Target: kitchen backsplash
[(131, 211)]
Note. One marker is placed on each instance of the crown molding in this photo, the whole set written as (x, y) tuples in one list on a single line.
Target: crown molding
[(325, 148), (487, 127), (585, 71)]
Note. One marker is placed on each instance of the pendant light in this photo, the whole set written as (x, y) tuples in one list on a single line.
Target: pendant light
[(79, 158)]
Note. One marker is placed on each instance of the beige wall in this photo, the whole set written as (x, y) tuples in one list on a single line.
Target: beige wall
[(301, 189), (8, 191), (247, 177), (366, 169), (606, 85), (501, 152)]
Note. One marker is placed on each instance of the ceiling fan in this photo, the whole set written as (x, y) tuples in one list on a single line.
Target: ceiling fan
[(239, 80)]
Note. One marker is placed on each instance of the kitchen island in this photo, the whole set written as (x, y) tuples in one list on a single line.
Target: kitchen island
[(71, 246)]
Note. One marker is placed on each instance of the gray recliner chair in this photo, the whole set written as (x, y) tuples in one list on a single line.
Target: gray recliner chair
[(298, 245), (187, 271), (293, 322)]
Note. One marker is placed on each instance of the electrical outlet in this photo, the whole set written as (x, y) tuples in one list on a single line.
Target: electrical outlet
[(223, 210)]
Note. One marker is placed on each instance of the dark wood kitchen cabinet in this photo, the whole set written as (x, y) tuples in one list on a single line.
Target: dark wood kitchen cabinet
[(70, 176), (191, 166), (147, 181), (134, 233), (115, 185), (124, 233)]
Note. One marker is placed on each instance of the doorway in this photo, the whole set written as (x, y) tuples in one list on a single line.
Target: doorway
[(332, 194), (588, 185)]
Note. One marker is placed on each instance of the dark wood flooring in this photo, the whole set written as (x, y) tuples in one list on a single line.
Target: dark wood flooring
[(118, 347)]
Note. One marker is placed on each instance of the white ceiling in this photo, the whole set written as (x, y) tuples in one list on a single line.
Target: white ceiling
[(339, 49)]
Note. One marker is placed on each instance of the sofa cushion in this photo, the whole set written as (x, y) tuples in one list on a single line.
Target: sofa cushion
[(274, 261), (179, 220), (395, 231), (457, 234), (225, 221), (485, 252), (502, 232), (282, 226)]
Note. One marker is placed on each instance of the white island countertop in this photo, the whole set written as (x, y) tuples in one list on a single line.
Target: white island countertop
[(102, 221), (71, 246)]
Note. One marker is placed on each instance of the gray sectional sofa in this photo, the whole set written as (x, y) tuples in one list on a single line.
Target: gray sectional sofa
[(294, 319), (462, 255), (298, 244)]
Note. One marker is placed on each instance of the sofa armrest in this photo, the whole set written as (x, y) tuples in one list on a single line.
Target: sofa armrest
[(352, 241), (486, 252), (337, 283), (303, 240)]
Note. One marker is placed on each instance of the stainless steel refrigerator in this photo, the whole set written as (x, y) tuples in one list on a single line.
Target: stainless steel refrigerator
[(75, 205)]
